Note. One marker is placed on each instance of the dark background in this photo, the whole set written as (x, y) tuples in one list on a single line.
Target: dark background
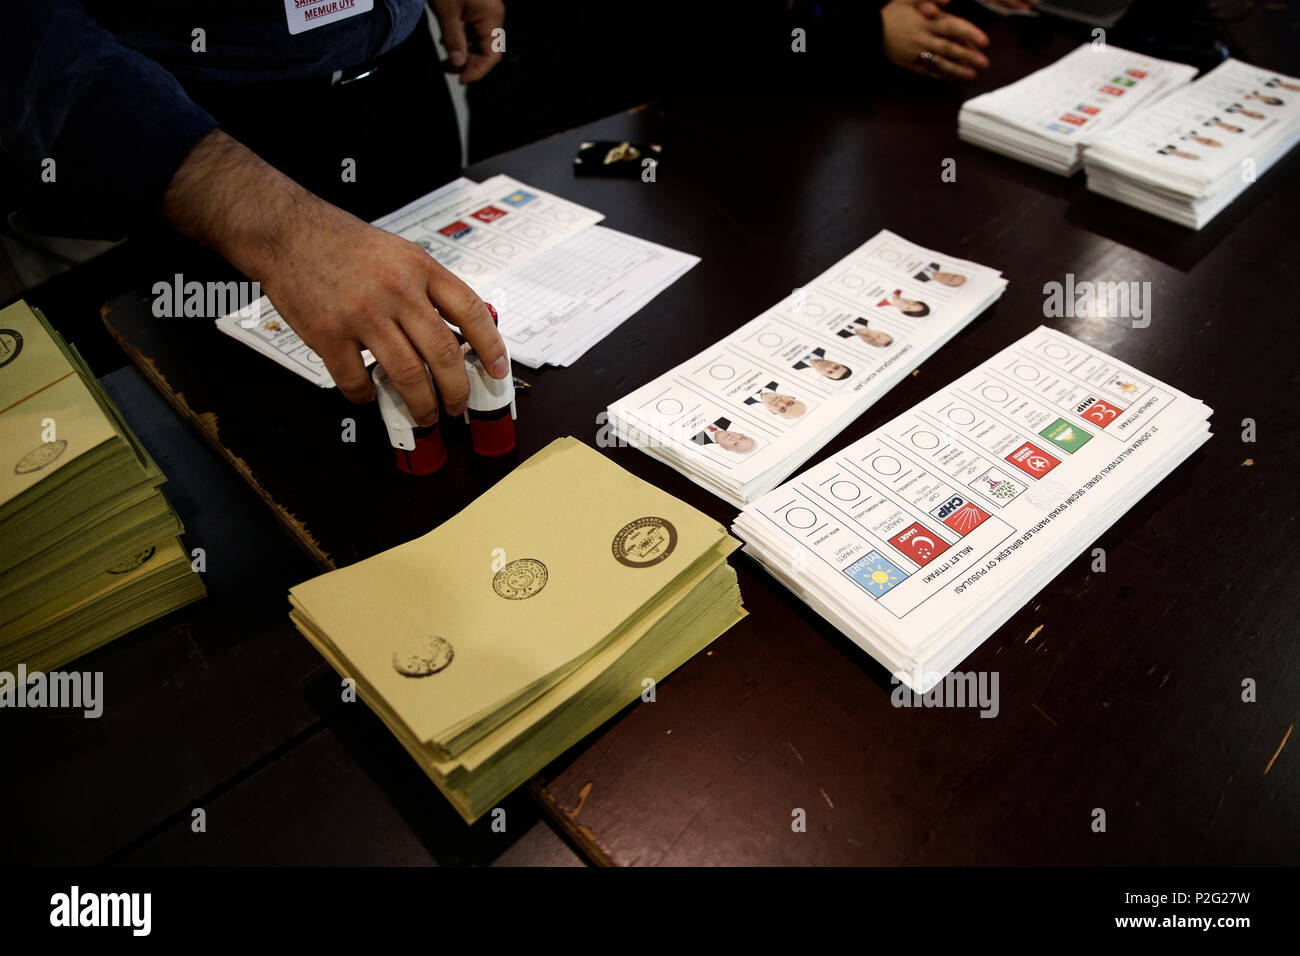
[(1126, 699)]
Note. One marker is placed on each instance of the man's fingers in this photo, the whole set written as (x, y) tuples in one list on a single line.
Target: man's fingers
[(480, 64), (439, 348), (963, 31), (486, 21), (944, 68), (405, 369), (453, 33), (349, 372), (930, 8), (963, 55), (465, 310)]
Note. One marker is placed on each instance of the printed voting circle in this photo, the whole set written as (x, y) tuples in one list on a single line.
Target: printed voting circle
[(886, 465), (846, 490), (801, 518), (668, 406), (1027, 373)]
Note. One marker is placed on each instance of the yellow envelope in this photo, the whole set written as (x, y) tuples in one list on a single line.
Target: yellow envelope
[(507, 597)]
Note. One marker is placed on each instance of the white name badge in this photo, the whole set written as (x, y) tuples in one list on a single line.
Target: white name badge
[(306, 15)]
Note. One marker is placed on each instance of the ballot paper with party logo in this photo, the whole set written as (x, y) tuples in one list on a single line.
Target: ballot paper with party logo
[(1190, 155), (745, 413), (923, 537), (559, 282), (500, 638), (1048, 117)]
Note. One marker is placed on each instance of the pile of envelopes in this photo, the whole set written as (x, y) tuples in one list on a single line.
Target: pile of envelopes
[(88, 542), (496, 641), (1190, 155)]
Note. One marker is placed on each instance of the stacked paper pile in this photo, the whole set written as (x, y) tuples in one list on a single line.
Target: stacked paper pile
[(1186, 158), (495, 642), (559, 282), (745, 413), (557, 306), (1046, 118), (924, 537), (88, 544)]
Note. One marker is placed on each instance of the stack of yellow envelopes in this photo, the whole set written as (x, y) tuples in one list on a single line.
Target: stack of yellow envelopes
[(88, 542), (495, 642)]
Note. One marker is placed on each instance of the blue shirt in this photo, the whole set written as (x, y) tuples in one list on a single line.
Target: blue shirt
[(96, 85)]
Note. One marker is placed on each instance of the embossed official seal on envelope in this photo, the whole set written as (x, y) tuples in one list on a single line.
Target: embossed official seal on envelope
[(520, 579), (40, 456), (423, 656), (644, 542), (11, 344), (135, 561)]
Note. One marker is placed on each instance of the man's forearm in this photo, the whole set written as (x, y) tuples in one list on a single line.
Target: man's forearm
[(228, 198)]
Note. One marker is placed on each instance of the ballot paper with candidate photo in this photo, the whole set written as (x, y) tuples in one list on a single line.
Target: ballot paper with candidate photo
[(1191, 154), (1047, 117), (745, 413), (923, 537)]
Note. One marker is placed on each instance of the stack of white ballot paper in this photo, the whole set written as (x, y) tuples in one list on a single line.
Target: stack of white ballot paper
[(559, 282), (745, 413), (924, 537), (1186, 158), (1045, 118)]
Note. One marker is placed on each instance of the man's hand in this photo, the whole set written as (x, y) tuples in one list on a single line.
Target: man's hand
[(341, 284), (912, 28), (482, 17)]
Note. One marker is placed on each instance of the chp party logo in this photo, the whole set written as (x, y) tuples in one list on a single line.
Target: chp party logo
[(959, 514)]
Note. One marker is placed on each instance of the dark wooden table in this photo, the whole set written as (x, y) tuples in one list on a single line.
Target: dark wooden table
[(1119, 690)]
